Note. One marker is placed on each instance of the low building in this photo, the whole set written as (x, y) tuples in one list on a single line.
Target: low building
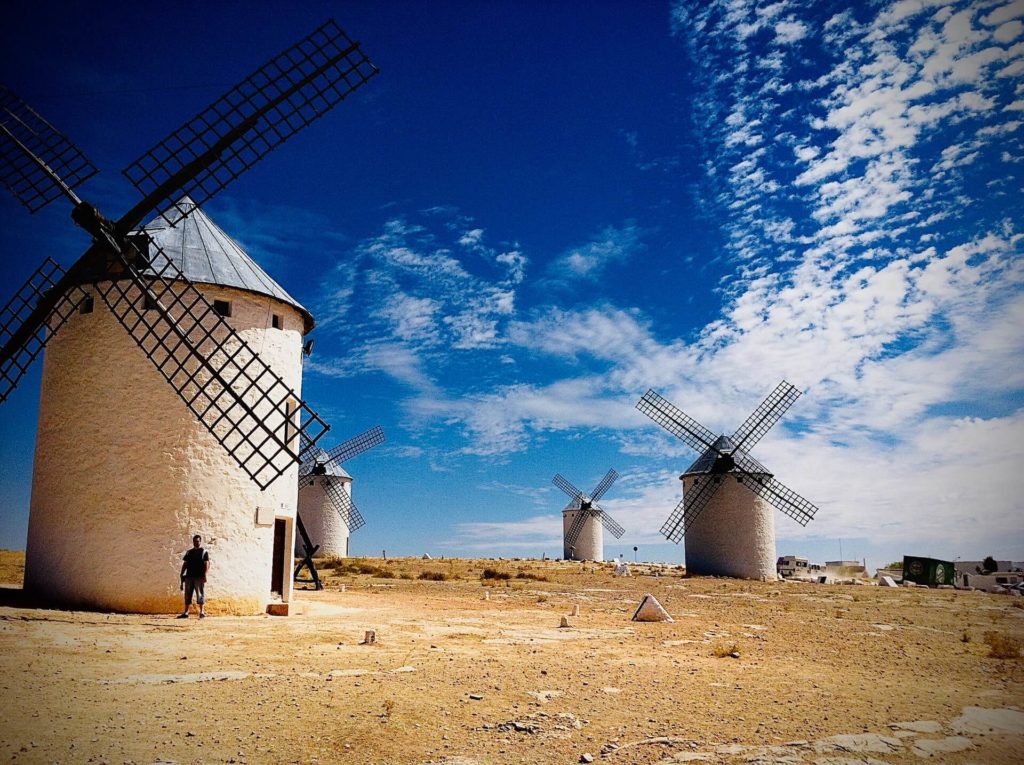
[(996, 582), (840, 570)]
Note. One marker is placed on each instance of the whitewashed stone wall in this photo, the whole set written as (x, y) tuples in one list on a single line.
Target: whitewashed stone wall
[(733, 536), (589, 545), (322, 521), (125, 474)]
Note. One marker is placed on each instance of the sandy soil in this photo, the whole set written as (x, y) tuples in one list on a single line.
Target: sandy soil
[(824, 674)]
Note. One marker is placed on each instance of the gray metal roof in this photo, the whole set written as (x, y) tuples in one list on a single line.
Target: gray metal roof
[(207, 255), (705, 461), (330, 468)]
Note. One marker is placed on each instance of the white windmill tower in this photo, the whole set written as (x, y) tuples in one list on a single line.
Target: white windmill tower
[(159, 418), (583, 520), (327, 514), (729, 527)]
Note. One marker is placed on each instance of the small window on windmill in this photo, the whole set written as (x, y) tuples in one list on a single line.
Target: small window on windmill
[(222, 307), (275, 321), (87, 304)]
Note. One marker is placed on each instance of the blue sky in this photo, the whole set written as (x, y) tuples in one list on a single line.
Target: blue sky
[(535, 213)]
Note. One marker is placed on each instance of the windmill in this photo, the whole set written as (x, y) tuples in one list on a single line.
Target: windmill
[(196, 419), (728, 525), (583, 518), (325, 500)]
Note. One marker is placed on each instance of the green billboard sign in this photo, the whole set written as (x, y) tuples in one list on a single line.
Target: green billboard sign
[(927, 571)]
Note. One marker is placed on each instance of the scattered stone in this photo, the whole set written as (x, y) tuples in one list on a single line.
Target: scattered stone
[(734, 654), (919, 726), (476, 697), (888, 581), (926, 747), (621, 569), (586, 757), (560, 725), (609, 689), (192, 677), (859, 742), (981, 720), (564, 622), (369, 638), (650, 610), (544, 696), (576, 610)]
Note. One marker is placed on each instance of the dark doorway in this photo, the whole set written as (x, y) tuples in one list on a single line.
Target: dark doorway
[(277, 571)]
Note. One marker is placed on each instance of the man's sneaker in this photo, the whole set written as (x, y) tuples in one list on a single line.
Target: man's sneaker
[(183, 616), (202, 616)]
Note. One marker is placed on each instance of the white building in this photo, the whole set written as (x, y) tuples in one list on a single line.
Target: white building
[(320, 517), (125, 474), (734, 535), (589, 544)]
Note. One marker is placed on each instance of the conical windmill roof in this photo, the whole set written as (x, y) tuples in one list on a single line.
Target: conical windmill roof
[(706, 461), (330, 468), (207, 255)]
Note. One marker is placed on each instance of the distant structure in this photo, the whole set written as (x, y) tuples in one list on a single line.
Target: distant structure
[(583, 520), (928, 571), (728, 524), (326, 509), (798, 567)]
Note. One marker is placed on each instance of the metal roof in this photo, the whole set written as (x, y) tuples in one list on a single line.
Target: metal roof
[(207, 255), (705, 461), (330, 468)]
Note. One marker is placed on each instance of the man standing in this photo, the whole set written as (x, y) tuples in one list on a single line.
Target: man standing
[(194, 566)]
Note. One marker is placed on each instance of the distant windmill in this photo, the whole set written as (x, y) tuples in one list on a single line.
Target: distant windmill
[(326, 514), (728, 524), (193, 433), (583, 518)]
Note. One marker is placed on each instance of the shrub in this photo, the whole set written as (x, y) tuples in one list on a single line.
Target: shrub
[(433, 576), (491, 573), (721, 650), (1002, 646), (534, 577)]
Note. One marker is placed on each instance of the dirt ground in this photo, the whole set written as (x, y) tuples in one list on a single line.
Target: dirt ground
[(748, 672)]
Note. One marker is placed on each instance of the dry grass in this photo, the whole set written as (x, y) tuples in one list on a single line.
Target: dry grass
[(1002, 646), (721, 650), (12, 566), (493, 573)]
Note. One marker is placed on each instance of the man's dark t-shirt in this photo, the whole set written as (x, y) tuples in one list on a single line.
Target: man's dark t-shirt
[(195, 560)]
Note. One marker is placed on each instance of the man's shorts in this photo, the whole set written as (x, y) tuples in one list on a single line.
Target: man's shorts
[(194, 584)]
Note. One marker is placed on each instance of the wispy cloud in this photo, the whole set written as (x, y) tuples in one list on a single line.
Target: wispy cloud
[(589, 260), (858, 276)]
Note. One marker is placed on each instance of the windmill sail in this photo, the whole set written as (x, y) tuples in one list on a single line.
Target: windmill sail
[(721, 456), (248, 408)]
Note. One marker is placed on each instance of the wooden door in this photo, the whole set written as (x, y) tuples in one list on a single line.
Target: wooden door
[(277, 570)]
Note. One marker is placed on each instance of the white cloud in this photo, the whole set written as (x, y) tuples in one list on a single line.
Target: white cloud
[(588, 261), (909, 352)]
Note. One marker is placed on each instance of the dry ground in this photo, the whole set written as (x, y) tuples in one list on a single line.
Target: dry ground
[(825, 674)]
